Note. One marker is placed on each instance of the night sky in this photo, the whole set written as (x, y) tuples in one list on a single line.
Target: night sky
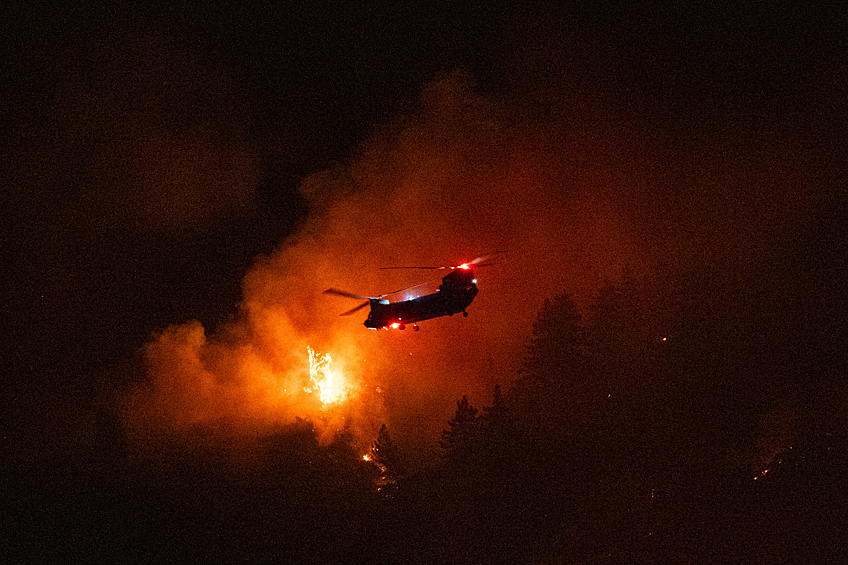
[(183, 181)]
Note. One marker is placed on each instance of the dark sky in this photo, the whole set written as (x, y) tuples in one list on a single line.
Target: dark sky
[(225, 164)]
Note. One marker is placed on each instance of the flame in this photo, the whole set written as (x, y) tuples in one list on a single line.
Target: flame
[(322, 377)]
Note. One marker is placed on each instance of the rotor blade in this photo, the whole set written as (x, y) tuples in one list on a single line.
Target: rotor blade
[(427, 268), (480, 260), (406, 288), (476, 261), (338, 292), (358, 308)]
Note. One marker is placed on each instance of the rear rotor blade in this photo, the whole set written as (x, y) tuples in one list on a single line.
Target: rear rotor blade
[(406, 288), (426, 268), (481, 260), (478, 261)]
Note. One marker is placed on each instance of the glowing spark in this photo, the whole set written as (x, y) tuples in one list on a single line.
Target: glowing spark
[(366, 457), (324, 379)]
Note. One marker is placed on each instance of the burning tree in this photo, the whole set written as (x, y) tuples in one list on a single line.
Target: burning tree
[(323, 379)]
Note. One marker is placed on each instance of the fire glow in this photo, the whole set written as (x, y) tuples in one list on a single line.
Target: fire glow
[(249, 375), (322, 378)]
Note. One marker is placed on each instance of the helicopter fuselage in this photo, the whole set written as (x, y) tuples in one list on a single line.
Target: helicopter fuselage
[(456, 292)]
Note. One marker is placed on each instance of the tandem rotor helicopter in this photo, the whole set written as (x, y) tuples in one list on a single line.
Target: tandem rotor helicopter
[(457, 291)]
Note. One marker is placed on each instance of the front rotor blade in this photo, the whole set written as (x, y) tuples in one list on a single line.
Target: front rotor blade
[(357, 309), (338, 292)]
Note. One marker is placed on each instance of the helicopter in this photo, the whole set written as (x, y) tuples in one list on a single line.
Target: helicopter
[(454, 295)]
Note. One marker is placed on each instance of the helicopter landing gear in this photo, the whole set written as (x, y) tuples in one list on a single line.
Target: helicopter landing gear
[(464, 314), (415, 327)]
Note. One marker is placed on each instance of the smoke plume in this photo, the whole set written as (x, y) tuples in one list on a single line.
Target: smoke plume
[(463, 175), (574, 197)]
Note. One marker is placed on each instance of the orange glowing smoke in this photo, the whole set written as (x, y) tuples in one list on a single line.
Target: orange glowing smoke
[(238, 386), (460, 176)]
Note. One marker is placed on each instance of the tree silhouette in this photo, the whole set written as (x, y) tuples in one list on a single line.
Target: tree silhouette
[(499, 435), (385, 455), (552, 387), (458, 440), (496, 415), (559, 337)]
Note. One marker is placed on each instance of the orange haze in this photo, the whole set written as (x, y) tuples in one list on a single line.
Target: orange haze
[(462, 176), (574, 199)]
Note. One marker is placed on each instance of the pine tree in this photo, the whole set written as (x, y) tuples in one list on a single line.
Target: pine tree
[(497, 419), (459, 439), (559, 340), (552, 387), (499, 434), (384, 454)]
